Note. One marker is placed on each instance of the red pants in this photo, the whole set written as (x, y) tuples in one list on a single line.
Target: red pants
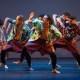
[(39, 45)]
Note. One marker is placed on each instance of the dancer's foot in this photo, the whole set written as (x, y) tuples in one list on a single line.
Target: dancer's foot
[(78, 64), (18, 62), (58, 65), (55, 71), (1, 64), (5, 66), (31, 69), (49, 62)]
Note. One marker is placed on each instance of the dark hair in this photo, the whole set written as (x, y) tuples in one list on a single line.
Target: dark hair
[(1, 22), (20, 17), (50, 19), (66, 14), (41, 15), (73, 17)]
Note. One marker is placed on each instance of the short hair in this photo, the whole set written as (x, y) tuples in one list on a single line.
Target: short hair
[(1, 22), (49, 18), (41, 15), (73, 17), (20, 17), (66, 14)]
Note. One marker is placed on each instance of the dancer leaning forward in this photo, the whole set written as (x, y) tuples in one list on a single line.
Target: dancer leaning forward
[(43, 42), (16, 39)]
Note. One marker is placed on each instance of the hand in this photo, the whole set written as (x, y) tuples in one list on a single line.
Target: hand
[(31, 15)]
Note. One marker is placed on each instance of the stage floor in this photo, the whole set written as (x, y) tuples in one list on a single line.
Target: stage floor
[(42, 70)]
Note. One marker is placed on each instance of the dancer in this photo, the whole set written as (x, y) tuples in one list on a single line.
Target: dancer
[(68, 42), (43, 44), (18, 36), (61, 21), (2, 42)]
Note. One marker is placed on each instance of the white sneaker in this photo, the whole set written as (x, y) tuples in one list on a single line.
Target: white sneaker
[(31, 69), (55, 71), (5, 66), (49, 62), (77, 63), (58, 65)]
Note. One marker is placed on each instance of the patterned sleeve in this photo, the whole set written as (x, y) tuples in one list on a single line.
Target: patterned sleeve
[(12, 21), (3, 36), (1, 31), (56, 31), (37, 23), (3, 39), (27, 29)]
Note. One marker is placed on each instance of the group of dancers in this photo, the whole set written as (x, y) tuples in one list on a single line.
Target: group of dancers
[(46, 34)]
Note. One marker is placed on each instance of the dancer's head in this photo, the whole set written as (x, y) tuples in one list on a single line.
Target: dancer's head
[(48, 19), (66, 15), (40, 17), (73, 20), (20, 20)]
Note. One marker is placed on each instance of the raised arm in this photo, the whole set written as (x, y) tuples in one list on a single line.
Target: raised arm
[(5, 23), (9, 22)]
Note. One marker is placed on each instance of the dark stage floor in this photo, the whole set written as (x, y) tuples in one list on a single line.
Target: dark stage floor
[(42, 71)]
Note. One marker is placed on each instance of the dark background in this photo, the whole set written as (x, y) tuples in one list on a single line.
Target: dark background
[(12, 8)]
